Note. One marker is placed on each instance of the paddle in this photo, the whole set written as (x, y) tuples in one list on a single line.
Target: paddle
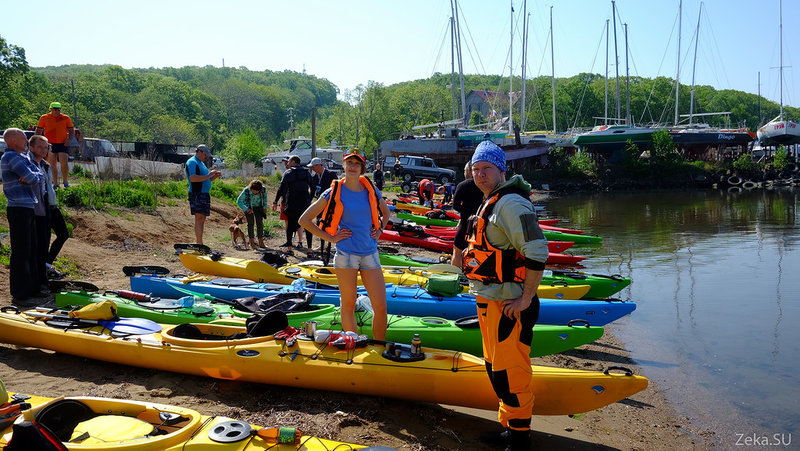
[(71, 285), (199, 248), (122, 326), (131, 271)]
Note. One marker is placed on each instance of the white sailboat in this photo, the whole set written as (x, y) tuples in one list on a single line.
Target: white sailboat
[(779, 131)]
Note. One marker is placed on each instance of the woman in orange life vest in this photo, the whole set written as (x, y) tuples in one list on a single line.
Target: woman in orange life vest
[(353, 216)]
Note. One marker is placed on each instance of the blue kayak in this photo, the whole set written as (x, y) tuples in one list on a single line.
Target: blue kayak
[(400, 300)]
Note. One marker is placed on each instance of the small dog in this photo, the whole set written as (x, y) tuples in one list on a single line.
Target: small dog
[(236, 232)]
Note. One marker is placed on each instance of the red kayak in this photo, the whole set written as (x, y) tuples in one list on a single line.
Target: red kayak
[(428, 242), (560, 229), (549, 222), (449, 233), (443, 245)]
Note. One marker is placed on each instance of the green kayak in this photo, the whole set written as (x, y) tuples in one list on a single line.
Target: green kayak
[(464, 334), (173, 311), (578, 239), (602, 286), (424, 220), (461, 335), (405, 261)]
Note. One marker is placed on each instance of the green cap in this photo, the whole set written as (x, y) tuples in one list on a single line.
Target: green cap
[(55, 105)]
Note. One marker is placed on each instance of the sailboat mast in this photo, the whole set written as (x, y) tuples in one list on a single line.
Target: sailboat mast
[(694, 64), (780, 31), (616, 54), (453, 64), (454, 6), (627, 81), (553, 67), (525, 24), (511, 75), (678, 72), (605, 111)]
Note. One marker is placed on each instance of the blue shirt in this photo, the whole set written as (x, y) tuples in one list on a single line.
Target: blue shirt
[(197, 167), (16, 166), (357, 217)]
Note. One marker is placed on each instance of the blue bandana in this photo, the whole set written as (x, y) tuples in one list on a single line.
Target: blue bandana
[(489, 151)]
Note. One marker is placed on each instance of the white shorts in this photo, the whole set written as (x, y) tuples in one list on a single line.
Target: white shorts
[(351, 261)]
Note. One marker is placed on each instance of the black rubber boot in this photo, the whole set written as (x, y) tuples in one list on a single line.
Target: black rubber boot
[(519, 440), (495, 437)]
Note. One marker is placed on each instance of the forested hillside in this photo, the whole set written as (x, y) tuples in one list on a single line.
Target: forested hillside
[(242, 112)]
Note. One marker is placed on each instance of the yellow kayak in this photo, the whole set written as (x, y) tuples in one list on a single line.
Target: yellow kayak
[(239, 268), (413, 208), (126, 425), (424, 374), (419, 276), (327, 274)]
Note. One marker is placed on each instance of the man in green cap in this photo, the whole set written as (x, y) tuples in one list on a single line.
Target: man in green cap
[(59, 130)]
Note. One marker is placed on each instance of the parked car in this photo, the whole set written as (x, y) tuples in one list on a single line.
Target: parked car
[(93, 147), (417, 168)]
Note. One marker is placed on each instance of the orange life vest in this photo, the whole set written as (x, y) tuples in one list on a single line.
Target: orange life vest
[(333, 211), (481, 260)]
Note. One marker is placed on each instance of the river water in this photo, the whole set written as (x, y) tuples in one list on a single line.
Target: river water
[(716, 277)]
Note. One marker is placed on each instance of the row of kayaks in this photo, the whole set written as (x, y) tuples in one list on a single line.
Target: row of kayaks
[(400, 300), (555, 283), (282, 326)]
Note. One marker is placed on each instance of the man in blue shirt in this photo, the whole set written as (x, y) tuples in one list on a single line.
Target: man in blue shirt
[(199, 185), (20, 177)]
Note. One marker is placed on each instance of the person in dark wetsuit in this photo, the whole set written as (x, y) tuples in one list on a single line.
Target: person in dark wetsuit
[(296, 189), (466, 201)]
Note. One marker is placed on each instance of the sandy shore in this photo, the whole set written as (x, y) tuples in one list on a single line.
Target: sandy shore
[(103, 243)]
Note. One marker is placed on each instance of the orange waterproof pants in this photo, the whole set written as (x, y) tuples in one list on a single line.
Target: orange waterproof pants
[(506, 350)]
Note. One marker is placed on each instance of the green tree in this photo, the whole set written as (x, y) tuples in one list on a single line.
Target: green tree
[(244, 146), (172, 130), (781, 158), (13, 69)]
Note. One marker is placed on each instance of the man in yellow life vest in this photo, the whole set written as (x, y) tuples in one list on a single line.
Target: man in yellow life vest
[(503, 261)]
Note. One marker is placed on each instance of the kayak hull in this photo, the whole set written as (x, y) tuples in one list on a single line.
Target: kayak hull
[(233, 267), (445, 377)]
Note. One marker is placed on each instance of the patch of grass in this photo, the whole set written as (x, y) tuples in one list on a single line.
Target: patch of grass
[(99, 195), (79, 171), (3, 229), (172, 189), (171, 203), (5, 255), (67, 266), (271, 223), (3, 202), (226, 191)]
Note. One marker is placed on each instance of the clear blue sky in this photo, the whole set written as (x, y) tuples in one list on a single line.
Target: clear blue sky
[(351, 42)]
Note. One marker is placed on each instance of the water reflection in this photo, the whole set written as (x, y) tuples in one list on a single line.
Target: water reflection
[(708, 275)]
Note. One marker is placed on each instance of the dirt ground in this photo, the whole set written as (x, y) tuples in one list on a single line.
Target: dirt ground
[(102, 243)]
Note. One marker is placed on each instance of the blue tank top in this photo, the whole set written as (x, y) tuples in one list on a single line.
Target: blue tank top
[(358, 218)]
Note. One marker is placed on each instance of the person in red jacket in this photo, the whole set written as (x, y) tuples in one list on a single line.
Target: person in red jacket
[(426, 190)]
